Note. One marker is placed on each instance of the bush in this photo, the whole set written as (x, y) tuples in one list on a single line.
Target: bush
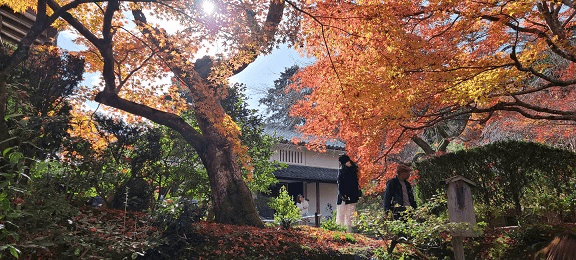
[(9, 211), (528, 239), (508, 174), (176, 216), (426, 227), (287, 213), (330, 224), (345, 237)]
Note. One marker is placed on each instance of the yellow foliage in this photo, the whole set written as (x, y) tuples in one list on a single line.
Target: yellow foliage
[(20, 6), (84, 127)]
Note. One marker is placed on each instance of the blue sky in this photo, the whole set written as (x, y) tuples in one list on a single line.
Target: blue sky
[(260, 75)]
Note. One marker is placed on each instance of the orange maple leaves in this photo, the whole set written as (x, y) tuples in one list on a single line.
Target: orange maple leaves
[(386, 71)]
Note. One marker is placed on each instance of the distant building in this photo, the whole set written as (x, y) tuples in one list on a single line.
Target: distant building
[(310, 173), (14, 27)]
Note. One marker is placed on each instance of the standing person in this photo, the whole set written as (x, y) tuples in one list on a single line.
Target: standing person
[(348, 191), (302, 204), (397, 196)]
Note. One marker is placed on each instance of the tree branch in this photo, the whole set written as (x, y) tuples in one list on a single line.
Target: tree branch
[(422, 144), (322, 26)]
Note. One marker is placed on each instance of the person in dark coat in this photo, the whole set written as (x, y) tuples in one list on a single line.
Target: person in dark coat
[(399, 194), (348, 191), (397, 197)]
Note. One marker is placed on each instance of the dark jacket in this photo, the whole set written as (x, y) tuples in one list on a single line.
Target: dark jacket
[(393, 194), (348, 185)]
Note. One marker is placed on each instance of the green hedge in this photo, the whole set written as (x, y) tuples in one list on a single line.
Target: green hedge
[(506, 173)]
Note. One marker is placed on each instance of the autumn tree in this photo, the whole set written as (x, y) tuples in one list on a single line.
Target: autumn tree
[(388, 70), (38, 112), (132, 53), (259, 175)]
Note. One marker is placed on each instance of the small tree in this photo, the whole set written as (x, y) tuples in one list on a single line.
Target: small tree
[(287, 213)]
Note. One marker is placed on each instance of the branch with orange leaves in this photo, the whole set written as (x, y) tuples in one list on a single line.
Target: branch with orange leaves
[(322, 26)]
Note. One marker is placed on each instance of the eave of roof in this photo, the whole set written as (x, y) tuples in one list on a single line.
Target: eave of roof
[(307, 173), (287, 135), (14, 27)]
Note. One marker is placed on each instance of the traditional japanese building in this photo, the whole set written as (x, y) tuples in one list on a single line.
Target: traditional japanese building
[(310, 173)]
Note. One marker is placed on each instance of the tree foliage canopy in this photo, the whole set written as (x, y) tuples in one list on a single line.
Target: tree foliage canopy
[(281, 98), (135, 55), (387, 70), (38, 100)]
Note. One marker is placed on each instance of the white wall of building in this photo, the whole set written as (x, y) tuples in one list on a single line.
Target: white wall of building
[(328, 195), (298, 155)]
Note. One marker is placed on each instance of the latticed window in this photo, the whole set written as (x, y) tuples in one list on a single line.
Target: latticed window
[(291, 156)]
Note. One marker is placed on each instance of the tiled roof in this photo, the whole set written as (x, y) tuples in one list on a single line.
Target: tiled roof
[(288, 135), (307, 173), (14, 26)]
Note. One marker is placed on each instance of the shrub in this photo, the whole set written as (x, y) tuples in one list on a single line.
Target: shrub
[(508, 174), (425, 227), (346, 237), (330, 224), (287, 213), (176, 216), (8, 210)]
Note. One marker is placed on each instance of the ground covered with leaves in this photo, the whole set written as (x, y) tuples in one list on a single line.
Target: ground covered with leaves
[(116, 234), (301, 242)]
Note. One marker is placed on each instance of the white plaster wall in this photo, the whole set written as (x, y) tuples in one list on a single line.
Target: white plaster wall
[(328, 191), (328, 159), (328, 194)]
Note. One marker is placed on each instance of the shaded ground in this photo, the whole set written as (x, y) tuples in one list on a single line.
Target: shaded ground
[(303, 242), (115, 234)]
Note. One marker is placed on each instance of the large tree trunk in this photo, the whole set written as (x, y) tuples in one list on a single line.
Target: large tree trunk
[(233, 201)]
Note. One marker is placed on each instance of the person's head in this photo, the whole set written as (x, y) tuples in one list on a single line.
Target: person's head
[(300, 198), (345, 160), (562, 247), (403, 172)]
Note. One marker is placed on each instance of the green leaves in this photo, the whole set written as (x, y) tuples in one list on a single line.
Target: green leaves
[(11, 116), (424, 227), (287, 213), (506, 173), (13, 250)]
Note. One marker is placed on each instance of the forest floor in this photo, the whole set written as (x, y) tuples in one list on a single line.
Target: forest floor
[(116, 234)]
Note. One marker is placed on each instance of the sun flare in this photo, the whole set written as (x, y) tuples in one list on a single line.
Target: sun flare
[(208, 7)]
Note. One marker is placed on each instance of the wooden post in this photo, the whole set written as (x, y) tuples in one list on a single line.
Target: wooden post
[(458, 245), (317, 214), (460, 210)]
